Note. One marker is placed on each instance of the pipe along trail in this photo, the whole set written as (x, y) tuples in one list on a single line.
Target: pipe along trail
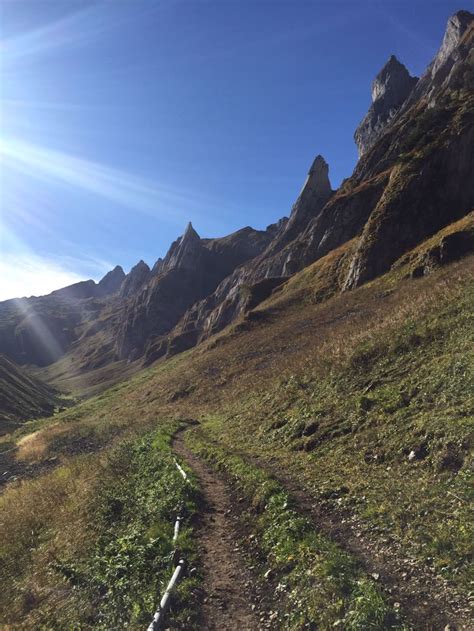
[(160, 613)]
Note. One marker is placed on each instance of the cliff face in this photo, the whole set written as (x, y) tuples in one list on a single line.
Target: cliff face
[(135, 279), (191, 269), (427, 153), (415, 176), (390, 89), (443, 73)]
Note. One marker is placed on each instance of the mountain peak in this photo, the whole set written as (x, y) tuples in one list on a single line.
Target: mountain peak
[(393, 82), (455, 28), (111, 282), (318, 175), (190, 233), (390, 89), (135, 279)]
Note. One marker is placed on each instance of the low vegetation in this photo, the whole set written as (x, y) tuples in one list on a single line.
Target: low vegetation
[(318, 584), (384, 432), (363, 400), (90, 544)]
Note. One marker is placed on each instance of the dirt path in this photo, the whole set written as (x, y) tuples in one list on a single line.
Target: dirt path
[(427, 600), (227, 585)]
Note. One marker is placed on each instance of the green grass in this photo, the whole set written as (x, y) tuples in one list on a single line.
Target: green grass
[(346, 429), (319, 585), (117, 554), (335, 394)]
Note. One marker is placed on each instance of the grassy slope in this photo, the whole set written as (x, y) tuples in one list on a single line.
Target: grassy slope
[(338, 393), (23, 396), (318, 584), (90, 544)]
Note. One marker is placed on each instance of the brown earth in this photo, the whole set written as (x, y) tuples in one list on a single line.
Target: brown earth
[(230, 596), (427, 601)]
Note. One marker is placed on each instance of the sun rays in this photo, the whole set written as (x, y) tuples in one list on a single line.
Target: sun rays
[(113, 184), (74, 29)]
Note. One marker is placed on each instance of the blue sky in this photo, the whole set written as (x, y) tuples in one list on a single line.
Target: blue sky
[(123, 120)]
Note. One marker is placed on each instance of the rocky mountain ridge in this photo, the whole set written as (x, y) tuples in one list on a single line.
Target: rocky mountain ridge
[(390, 89), (415, 176)]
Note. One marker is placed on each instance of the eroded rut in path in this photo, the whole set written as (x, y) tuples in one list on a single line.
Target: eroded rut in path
[(227, 584)]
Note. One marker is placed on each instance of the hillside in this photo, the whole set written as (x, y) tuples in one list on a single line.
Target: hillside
[(337, 395), (314, 381), (414, 177), (23, 397)]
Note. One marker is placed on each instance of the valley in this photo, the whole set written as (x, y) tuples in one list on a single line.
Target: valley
[(315, 380)]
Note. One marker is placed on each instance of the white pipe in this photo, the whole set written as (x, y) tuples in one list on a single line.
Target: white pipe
[(160, 613), (176, 528), (181, 470)]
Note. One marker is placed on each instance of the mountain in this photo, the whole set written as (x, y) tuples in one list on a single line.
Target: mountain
[(414, 177), (22, 396), (390, 89), (191, 270), (323, 406), (40, 330)]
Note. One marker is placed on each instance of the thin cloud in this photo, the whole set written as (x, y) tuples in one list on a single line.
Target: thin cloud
[(112, 184), (34, 274), (72, 30)]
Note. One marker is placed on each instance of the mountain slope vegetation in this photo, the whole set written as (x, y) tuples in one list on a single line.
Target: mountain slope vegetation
[(324, 373), (23, 397), (386, 373)]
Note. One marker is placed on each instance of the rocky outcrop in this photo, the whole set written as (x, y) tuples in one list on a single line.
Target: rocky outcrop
[(415, 177), (111, 282), (157, 267), (455, 244), (315, 193), (191, 269), (443, 72), (135, 279), (184, 252), (390, 89)]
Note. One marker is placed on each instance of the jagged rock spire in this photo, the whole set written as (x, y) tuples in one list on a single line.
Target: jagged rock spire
[(184, 251), (189, 233), (135, 279), (390, 88), (111, 282), (315, 193), (392, 81), (455, 29), (441, 73), (318, 175)]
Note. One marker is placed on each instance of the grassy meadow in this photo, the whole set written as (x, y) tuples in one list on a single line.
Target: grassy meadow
[(363, 399)]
